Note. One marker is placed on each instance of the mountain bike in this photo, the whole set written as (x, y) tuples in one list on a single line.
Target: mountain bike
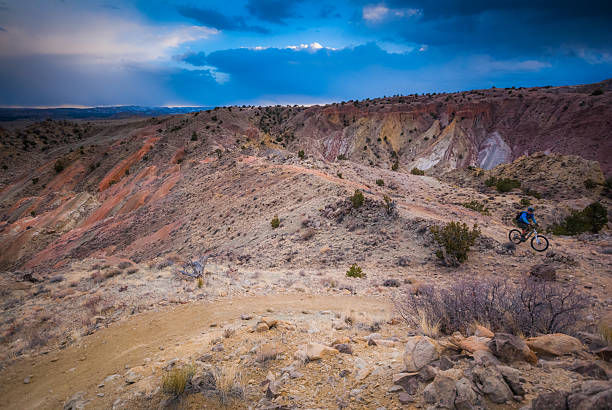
[(539, 242)]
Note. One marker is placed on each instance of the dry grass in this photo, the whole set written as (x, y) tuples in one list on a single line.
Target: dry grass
[(175, 380), (605, 332), (228, 332), (428, 326), (229, 383)]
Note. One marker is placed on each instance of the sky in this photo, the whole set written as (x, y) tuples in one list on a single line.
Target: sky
[(265, 52)]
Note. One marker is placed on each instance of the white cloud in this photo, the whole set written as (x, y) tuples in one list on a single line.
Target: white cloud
[(485, 64), (99, 37), (375, 13)]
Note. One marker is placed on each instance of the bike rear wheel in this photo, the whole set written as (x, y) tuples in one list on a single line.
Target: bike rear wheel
[(539, 243), (515, 236)]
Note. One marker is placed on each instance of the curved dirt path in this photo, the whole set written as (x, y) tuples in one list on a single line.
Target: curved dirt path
[(60, 374)]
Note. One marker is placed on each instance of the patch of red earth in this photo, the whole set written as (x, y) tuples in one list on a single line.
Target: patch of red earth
[(178, 156), (247, 159), (301, 170), (67, 179), (208, 160), (158, 236), (166, 186), (119, 170)]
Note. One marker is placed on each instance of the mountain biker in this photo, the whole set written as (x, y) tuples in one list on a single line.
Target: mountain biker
[(523, 219)]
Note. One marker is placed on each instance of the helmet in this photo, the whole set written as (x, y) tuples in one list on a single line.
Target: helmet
[(530, 209)]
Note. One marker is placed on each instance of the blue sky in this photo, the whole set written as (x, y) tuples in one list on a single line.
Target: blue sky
[(187, 52)]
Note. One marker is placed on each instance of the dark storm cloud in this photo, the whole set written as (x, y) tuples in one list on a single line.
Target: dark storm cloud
[(215, 19), (504, 27), (195, 59), (274, 11)]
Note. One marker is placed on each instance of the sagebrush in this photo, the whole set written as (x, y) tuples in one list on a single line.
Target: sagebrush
[(591, 219), (526, 308), (455, 240)]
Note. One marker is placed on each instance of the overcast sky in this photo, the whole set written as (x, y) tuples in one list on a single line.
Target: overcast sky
[(187, 52)]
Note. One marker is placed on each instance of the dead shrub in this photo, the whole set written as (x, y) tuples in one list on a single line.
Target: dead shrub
[(308, 234), (111, 273), (228, 383), (527, 308), (124, 264)]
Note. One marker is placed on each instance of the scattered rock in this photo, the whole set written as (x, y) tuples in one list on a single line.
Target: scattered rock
[(419, 352), (406, 398), (589, 369), (555, 400), (27, 380), (317, 351), (131, 378), (490, 381), (343, 348), (510, 348), (557, 344), (261, 327), (441, 392), (76, 402), (246, 316), (466, 396), (512, 378), (543, 272), (218, 347)]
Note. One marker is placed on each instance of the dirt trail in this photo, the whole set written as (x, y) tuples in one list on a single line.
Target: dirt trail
[(58, 375)]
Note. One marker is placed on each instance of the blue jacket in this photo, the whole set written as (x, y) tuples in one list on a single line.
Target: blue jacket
[(526, 216)]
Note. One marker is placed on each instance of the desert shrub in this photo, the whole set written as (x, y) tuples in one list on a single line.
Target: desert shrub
[(341, 157), (455, 240), (380, 182), (200, 283), (357, 199), (339, 175), (175, 380), (589, 184), (355, 272), (591, 219), (391, 283), (532, 192), (507, 184), (124, 264), (275, 222), (301, 154), (58, 167), (605, 332), (491, 181), (194, 136), (598, 91), (395, 166), (477, 206), (527, 308), (35, 180), (525, 201), (112, 272), (416, 171)]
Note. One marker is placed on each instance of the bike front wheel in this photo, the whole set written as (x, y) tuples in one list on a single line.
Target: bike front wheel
[(515, 236), (539, 243)]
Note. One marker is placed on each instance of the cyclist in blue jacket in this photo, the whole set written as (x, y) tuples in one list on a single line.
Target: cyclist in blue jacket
[(523, 221)]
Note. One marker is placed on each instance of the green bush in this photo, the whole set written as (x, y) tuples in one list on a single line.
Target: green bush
[(355, 272), (599, 91), (395, 166), (590, 184), (507, 184), (194, 136), (476, 206), (357, 199), (591, 219), (35, 180), (59, 166), (341, 157), (525, 201), (533, 193), (491, 181), (455, 239), (416, 171), (275, 222), (380, 182), (301, 154)]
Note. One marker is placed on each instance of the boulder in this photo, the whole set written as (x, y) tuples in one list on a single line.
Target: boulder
[(543, 272), (344, 348), (509, 348), (471, 344), (76, 402), (419, 352), (512, 379), (555, 400), (556, 344), (482, 331), (466, 396), (589, 369), (318, 351), (490, 381), (441, 392)]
